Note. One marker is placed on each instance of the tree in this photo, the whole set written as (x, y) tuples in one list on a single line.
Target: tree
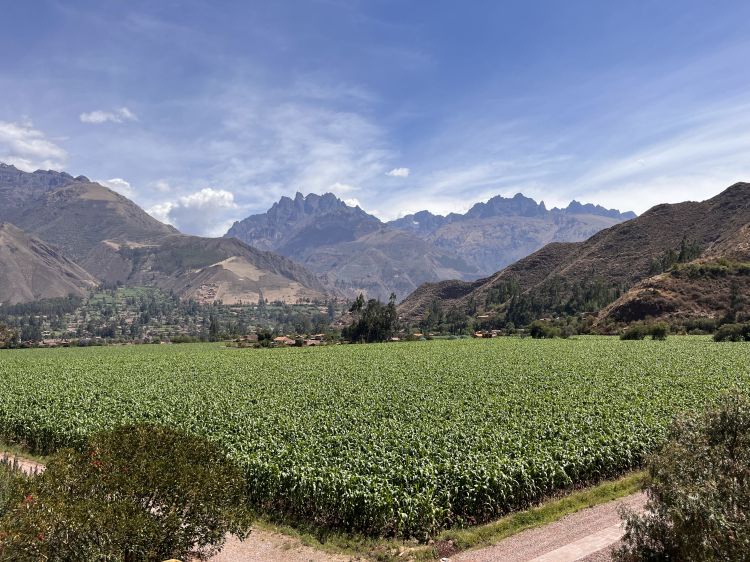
[(376, 322), (213, 328), (434, 317), (8, 337), (699, 491), (137, 493), (358, 304)]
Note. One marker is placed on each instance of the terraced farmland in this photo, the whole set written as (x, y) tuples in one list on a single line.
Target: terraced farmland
[(398, 439)]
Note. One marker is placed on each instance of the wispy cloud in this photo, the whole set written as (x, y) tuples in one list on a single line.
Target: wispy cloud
[(29, 148), (98, 116)]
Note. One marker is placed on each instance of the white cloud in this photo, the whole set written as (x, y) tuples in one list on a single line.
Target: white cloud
[(119, 115), (353, 202), (28, 148), (160, 212), (205, 212), (119, 185), (399, 173)]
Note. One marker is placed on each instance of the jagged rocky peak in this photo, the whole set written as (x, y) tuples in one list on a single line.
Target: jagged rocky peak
[(311, 204), (518, 205), (577, 208), (10, 176)]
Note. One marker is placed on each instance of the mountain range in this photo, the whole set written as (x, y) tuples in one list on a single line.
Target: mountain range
[(675, 261), (98, 235), (356, 252), (63, 234)]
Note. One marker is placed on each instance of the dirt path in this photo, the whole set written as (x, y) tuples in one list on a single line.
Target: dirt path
[(28, 466), (264, 546), (586, 535)]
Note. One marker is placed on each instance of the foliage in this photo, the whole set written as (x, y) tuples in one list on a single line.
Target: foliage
[(136, 493), (715, 269), (8, 337), (560, 297), (699, 491), (386, 439), (12, 482), (657, 331), (687, 252), (539, 330), (733, 332), (455, 321), (376, 322), (144, 314)]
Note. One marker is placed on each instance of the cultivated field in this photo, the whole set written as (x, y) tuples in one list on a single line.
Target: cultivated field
[(387, 439)]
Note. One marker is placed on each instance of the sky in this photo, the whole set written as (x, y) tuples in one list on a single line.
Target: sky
[(204, 112)]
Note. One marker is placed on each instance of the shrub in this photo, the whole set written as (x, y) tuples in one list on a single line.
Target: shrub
[(634, 332), (539, 330), (12, 481), (659, 331), (137, 493), (640, 331), (699, 492), (733, 332)]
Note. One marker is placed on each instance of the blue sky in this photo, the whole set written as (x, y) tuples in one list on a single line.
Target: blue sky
[(204, 112)]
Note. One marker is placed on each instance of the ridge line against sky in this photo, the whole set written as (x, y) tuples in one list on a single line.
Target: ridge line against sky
[(204, 116)]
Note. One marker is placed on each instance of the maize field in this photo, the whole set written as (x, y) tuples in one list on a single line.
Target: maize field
[(390, 439)]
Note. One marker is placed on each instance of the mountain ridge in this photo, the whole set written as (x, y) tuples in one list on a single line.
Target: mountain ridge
[(360, 253), (503, 230), (352, 249), (116, 241), (613, 261)]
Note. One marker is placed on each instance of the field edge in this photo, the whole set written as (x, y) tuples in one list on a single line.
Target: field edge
[(462, 539)]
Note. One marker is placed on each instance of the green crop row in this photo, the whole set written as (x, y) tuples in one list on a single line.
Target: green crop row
[(400, 439)]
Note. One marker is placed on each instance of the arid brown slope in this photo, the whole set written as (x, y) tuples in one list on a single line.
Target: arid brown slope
[(621, 255), (700, 289), (32, 270), (207, 269), (116, 241), (80, 215)]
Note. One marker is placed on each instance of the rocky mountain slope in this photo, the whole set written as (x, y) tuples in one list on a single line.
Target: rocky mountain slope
[(351, 249), (32, 270), (503, 230), (114, 240), (656, 265), (206, 269)]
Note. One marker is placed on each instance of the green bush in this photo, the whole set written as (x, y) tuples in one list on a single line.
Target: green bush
[(634, 332), (137, 493), (657, 331), (733, 332), (540, 330), (699, 491)]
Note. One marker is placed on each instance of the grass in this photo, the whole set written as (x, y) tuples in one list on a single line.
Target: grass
[(391, 550)]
